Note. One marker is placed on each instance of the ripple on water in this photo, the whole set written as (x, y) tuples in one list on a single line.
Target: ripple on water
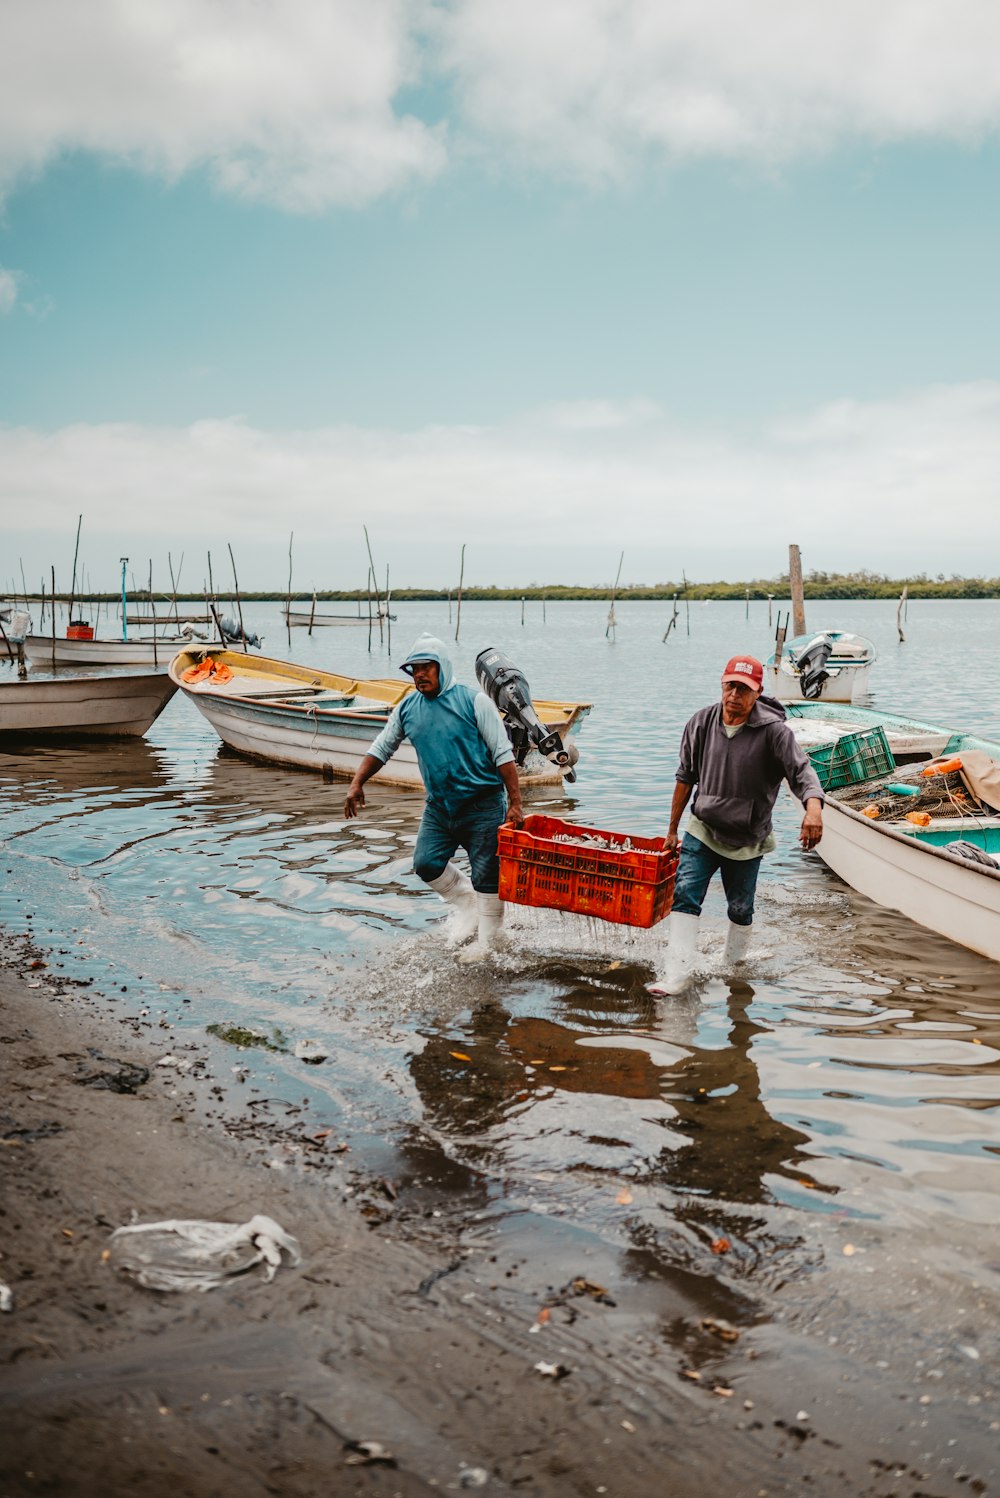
[(850, 1074)]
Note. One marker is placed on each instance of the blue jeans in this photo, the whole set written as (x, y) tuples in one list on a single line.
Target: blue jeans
[(698, 864), (472, 826)]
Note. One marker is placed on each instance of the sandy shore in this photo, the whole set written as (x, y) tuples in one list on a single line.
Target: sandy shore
[(387, 1332)]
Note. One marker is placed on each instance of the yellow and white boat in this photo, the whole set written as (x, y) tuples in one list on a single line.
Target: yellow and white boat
[(318, 720)]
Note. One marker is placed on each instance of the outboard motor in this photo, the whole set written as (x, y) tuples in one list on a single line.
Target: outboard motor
[(810, 662), (233, 635), (506, 687)]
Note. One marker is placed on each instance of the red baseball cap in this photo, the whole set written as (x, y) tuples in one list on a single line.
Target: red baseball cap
[(744, 669)]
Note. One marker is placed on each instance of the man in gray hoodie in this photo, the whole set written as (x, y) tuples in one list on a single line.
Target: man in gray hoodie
[(736, 752)]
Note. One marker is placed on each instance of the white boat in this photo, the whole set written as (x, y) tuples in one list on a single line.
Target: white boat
[(44, 650), (297, 618), (318, 720), (104, 703), (830, 665), (931, 873)]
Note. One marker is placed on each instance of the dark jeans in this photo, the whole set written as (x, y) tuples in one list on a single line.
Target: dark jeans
[(472, 827), (698, 864)]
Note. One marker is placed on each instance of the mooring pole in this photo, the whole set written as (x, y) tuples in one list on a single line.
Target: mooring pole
[(795, 589)]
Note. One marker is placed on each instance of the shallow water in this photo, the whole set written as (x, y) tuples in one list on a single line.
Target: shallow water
[(850, 1084)]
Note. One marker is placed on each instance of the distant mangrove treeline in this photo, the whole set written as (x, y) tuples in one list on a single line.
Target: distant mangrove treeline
[(815, 585)]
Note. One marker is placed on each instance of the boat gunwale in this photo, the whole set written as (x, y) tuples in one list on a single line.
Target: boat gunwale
[(572, 712)]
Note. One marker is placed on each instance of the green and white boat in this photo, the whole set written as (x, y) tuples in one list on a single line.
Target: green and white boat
[(933, 854)]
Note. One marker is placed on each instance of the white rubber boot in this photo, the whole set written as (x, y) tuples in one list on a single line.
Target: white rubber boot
[(490, 921), (737, 944), (456, 888), (682, 953)]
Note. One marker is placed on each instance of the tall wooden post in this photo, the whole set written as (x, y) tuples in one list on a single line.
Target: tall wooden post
[(795, 587), (458, 608), (288, 595)]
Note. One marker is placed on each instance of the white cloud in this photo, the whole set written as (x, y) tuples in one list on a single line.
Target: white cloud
[(850, 482), (292, 103), (593, 85), (298, 103), (8, 290)]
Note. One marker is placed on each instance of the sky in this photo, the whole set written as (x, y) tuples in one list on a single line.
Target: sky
[(690, 281)]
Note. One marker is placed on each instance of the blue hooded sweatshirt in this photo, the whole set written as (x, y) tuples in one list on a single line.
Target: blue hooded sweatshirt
[(458, 735)]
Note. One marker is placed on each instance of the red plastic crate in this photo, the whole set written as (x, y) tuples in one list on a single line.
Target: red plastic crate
[(634, 888)]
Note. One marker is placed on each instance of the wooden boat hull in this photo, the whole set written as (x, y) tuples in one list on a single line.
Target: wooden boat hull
[(938, 890), (318, 720), (905, 871), (125, 704), (41, 650)]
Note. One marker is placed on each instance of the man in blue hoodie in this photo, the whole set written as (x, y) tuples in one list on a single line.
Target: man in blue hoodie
[(736, 752), (467, 765)]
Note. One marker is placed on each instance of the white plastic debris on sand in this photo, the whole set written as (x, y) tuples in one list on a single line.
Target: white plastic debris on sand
[(197, 1255)]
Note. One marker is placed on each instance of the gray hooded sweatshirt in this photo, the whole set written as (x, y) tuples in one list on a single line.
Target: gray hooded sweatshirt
[(738, 778)]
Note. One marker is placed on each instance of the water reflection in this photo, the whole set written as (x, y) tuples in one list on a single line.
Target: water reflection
[(859, 1074), (624, 1094)]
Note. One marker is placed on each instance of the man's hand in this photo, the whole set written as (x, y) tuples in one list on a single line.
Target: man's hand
[(355, 800), (673, 842), (515, 814), (812, 824)]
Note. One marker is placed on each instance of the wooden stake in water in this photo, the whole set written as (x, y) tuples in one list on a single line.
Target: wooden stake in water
[(53, 618), (388, 616), (461, 579), (173, 585), (76, 553), (687, 602), (796, 592), (672, 623), (748, 603), (378, 601), (312, 612), (152, 610), (239, 606), (369, 586), (900, 608), (522, 613), (770, 600), (288, 596), (609, 632), (124, 562)]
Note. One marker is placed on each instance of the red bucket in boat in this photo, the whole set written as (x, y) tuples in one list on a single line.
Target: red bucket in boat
[(79, 629)]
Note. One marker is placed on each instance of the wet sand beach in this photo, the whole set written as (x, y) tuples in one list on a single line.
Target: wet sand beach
[(752, 1230), (392, 1331)]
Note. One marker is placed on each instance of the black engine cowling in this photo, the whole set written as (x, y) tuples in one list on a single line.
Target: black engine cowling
[(507, 688)]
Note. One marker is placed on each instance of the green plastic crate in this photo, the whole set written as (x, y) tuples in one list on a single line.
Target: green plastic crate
[(852, 758)]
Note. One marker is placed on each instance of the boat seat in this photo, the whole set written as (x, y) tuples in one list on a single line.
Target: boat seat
[(249, 686)]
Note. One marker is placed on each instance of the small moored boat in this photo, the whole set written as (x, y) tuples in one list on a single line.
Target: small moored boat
[(318, 720), (105, 703), (912, 818), (46, 650), (306, 618), (831, 665)]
